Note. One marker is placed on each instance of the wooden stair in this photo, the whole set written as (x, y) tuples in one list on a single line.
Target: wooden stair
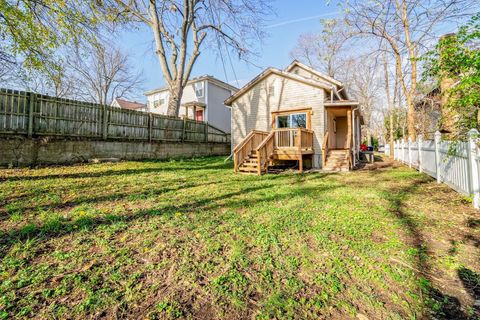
[(257, 152), (250, 165), (337, 160)]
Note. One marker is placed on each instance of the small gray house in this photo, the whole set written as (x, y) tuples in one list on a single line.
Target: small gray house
[(203, 100), (297, 114)]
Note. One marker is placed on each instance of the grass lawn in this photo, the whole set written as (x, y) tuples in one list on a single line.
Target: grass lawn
[(190, 239)]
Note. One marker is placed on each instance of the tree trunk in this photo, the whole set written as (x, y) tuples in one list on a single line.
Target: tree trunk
[(409, 94), (389, 102), (411, 117), (174, 101)]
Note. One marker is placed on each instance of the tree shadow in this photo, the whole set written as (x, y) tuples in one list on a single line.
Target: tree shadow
[(439, 304), (192, 166), (45, 232)]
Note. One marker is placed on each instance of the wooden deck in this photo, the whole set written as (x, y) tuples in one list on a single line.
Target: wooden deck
[(260, 149)]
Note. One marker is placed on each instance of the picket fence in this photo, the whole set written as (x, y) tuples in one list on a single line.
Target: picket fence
[(31, 114), (456, 165)]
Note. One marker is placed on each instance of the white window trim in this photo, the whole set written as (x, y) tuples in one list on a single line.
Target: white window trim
[(289, 115), (196, 86)]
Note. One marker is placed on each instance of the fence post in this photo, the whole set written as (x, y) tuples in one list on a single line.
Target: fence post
[(419, 145), (105, 122), (403, 151), (206, 131), (150, 125), (409, 152), (31, 110), (184, 127), (438, 136), (473, 166)]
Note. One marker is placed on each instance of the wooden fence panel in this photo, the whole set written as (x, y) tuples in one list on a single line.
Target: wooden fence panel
[(63, 117), (166, 128), (194, 131), (127, 124), (13, 111), (35, 114)]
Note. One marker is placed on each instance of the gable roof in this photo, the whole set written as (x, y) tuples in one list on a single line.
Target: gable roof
[(125, 104), (209, 78), (281, 73), (319, 74)]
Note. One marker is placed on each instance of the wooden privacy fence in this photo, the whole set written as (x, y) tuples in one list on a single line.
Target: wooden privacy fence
[(456, 165), (31, 114)]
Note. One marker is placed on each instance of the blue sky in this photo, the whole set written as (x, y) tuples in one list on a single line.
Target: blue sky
[(292, 18)]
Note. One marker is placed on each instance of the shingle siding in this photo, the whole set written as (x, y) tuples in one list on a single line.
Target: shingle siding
[(253, 110)]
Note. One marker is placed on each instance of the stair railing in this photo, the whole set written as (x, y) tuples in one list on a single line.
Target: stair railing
[(244, 148), (325, 148), (265, 151)]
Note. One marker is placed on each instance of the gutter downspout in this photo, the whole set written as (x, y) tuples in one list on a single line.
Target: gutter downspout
[(354, 140)]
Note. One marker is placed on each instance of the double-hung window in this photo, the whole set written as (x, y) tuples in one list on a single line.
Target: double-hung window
[(199, 89)]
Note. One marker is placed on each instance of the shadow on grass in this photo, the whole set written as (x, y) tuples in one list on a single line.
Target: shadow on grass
[(191, 166), (439, 304), (63, 227)]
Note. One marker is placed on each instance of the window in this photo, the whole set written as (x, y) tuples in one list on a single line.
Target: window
[(294, 120), (160, 100), (199, 88)]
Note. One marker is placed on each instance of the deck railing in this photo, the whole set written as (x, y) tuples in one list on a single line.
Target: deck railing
[(299, 138), (249, 144), (264, 152), (265, 143)]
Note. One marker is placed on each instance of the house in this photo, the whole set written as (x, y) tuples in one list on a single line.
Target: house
[(203, 100), (125, 104), (297, 114)]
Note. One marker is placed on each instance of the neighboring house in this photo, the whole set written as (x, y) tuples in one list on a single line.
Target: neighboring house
[(130, 105), (296, 114), (203, 100), (428, 112)]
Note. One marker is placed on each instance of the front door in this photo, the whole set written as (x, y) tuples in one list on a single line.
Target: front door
[(199, 115), (341, 133)]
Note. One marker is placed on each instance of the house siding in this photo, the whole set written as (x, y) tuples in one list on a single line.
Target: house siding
[(253, 110), (218, 114)]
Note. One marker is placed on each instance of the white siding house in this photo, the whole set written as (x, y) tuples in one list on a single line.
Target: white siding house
[(304, 102), (203, 100)]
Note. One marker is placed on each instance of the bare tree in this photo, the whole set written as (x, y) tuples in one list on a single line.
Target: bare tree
[(389, 102), (181, 28), (324, 50), (104, 74), (55, 80), (365, 85), (406, 26)]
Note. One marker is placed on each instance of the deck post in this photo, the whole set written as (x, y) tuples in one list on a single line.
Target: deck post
[(259, 168), (31, 109)]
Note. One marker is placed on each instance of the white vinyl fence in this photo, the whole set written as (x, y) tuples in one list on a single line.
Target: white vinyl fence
[(460, 169)]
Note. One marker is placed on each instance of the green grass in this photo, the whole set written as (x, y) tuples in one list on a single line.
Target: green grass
[(190, 239)]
